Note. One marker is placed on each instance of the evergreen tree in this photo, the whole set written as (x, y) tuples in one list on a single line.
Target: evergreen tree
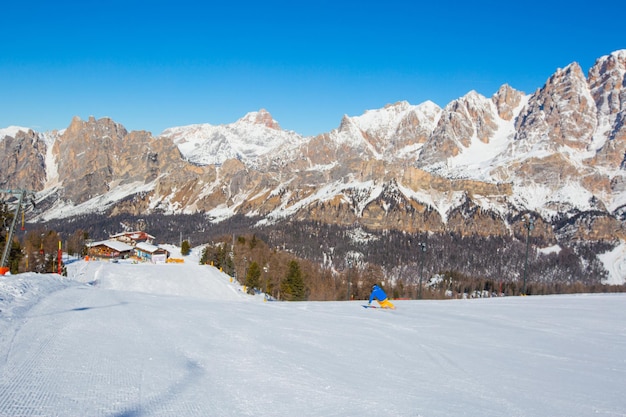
[(219, 256), (185, 249), (253, 276), (224, 259), (228, 265), (204, 259), (292, 287)]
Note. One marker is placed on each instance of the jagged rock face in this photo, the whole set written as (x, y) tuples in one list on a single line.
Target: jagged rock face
[(562, 113), (550, 171), (394, 131), (415, 128), (595, 227), (389, 209), (471, 219), (566, 116), (85, 155), (506, 100), (95, 156), (606, 82), (470, 117), (22, 159)]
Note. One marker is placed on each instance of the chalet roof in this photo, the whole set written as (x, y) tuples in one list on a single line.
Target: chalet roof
[(146, 247), (113, 244), (133, 235)]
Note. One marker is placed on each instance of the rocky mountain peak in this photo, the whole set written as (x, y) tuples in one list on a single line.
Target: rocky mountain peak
[(22, 157), (398, 106), (346, 125), (506, 100), (561, 113), (471, 117), (261, 117), (95, 129), (393, 132), (12, 131), (429, 109), (606, 81)]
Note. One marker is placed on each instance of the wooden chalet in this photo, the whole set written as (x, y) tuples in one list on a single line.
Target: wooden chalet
[(151, 253), (109, 249)]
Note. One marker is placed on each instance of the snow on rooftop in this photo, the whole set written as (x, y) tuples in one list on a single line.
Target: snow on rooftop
[(113, 244), (147, 247)]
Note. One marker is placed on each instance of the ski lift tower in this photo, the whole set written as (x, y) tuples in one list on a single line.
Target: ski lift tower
[(21, 194)]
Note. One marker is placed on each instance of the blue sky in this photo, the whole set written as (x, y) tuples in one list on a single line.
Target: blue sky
[(150, 65)]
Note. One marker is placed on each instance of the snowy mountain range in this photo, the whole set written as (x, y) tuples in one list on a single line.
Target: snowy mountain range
[(480, 165), (572, 127)]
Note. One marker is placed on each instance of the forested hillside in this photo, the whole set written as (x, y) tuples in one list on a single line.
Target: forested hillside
[(331, 256)]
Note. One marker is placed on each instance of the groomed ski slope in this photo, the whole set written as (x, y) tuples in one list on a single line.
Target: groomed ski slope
[(124, 340)]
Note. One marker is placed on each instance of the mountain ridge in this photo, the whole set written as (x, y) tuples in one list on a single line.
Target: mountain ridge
[(552, 154)]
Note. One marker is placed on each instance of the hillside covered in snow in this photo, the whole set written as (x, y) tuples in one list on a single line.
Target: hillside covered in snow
[(122, 339)]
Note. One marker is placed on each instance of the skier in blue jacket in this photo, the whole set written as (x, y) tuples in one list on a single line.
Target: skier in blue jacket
[(381, 297)]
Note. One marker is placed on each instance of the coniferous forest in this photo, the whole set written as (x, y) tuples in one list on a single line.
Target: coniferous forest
[(315, 261)]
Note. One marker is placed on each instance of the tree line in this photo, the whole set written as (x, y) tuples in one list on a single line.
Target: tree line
[(269, 269), (318, 261)]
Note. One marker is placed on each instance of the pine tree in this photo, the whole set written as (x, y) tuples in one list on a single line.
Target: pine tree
[(292, 287), (185, 249), (204, 258), (253, 276)]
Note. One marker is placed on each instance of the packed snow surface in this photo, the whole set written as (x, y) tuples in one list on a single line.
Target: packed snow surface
[(122, 340)]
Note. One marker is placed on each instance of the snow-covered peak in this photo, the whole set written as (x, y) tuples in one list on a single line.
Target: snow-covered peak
[(473, 96), (261, 117), (389, 117), (615, 56), (396, 131), (254, 135), (428, 108), (12, 131)]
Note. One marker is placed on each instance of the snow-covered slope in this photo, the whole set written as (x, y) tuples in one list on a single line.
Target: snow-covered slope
[(181, 339), (395, 132), (253, 136)]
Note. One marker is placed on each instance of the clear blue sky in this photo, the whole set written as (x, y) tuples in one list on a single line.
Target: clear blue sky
[(154, 64)]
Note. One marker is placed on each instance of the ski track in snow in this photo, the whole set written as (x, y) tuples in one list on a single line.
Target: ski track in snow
[(123, 340)]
